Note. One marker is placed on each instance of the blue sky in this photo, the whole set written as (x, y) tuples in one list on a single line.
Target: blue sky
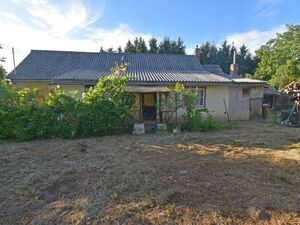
[(85, 25)]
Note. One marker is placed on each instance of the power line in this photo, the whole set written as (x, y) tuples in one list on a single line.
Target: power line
[(17, 50)]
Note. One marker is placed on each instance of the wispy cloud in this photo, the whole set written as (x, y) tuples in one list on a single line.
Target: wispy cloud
[(69, 25), (267, 8), (255, 38)]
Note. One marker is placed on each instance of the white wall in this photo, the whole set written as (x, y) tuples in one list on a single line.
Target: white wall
[(79, 89), (239, 107), (215, 102)]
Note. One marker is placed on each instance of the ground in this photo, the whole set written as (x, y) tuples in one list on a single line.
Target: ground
[(249, 174)]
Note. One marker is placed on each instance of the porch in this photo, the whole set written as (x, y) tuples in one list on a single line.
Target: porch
[(147, 102)]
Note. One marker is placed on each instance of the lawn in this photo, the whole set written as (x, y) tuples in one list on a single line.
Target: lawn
[(249, 174)]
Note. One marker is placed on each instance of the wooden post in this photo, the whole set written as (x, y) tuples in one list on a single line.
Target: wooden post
[(141, 106), (227, 113), (157, 106)]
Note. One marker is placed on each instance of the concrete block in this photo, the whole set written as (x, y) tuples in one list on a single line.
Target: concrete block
[(139, 128)]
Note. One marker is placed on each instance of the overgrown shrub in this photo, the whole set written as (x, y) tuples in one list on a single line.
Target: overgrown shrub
[(102, 110), (194, 119)]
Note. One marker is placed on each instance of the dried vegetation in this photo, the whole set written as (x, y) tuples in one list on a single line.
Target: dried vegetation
[(246, 175)]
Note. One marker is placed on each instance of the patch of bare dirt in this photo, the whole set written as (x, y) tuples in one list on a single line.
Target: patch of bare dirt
[(249, 174)]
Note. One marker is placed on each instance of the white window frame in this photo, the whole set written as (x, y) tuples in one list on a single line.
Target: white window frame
[(198, 104)]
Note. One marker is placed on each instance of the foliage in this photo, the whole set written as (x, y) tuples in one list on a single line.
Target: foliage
[(208, 53), (166, 46), (181, 97), (194, 119), (173, 101), (129, 48), (101, 110), (153, 47), (280, 58), (2, 72)]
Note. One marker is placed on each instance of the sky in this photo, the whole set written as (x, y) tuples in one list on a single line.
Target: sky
[(85, 25)]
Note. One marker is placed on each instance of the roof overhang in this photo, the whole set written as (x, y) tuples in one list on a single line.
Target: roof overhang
[(147, 89)]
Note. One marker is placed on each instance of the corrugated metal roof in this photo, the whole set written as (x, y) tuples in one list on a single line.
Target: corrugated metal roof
[(216, 69), (145, 89), (44, 65), (248, 80)]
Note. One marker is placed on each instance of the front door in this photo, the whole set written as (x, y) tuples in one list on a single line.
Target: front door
[(149, 106), (255, 107)]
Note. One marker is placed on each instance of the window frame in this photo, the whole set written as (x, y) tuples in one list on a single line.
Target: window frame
[(203, 97), (246, 94)]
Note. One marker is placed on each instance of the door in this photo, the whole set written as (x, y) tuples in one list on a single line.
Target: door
[(255, 107), (149, 106)]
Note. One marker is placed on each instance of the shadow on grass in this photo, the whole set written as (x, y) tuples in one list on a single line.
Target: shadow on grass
[(158, 179)]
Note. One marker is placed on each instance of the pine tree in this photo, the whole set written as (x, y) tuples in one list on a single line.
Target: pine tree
[(180, 46), (129, 48), (153, 48), (119, 49), (110, 50), (208, 53), (165, 46), (140, 45)]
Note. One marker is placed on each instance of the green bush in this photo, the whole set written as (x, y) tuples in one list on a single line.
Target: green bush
[(194, 119), (102, 110)]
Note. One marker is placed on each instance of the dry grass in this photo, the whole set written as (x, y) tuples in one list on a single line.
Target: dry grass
[(247, 175)]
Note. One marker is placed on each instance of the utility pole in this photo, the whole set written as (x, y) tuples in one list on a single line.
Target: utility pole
[(13, 53)]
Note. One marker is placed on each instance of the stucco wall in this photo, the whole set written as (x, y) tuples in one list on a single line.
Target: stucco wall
[(239, 106), (42, 87), (214, 96), (215, 102), (79, 89)]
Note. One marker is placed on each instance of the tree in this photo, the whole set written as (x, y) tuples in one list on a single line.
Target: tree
[(180, 49), (168, 46), (280, 58), (119, 49), (247, 62), (208, 53), (223, 56), (140, 45), (129, 47), (165, 46), (110, 50), (153, 48), (2, 72)]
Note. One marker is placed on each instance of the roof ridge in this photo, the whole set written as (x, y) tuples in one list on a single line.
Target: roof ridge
[(109, 53)]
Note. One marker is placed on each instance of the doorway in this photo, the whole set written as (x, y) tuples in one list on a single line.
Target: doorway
[(255, 108), (149, 106)]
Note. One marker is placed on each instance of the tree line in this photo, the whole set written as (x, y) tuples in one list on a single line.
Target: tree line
[(139, 45), (209, 53), (278, 61)]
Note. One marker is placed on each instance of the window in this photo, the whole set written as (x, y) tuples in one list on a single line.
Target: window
[(87, 87), (200, 101), (246, 92)]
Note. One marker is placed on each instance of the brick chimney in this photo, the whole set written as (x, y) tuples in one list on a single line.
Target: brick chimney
[(234, 69), (197, 52)]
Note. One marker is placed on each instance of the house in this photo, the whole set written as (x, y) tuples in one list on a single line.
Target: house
[(152, 76)]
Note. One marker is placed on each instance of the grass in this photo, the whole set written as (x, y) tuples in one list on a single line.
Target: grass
[(246, 175)]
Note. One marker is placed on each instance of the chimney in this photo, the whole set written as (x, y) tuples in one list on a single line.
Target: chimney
[(197, 52), (234, 69)]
